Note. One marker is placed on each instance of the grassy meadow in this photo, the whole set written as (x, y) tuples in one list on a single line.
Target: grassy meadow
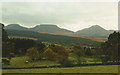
[(86, 69), (18, 62)]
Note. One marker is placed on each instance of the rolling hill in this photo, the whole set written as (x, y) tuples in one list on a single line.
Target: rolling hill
[(41, 28), (62, 39), (51, 29), (15, 27), (94, 31)]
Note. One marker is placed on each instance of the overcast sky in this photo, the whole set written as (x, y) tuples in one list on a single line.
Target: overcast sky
[(70, 15)]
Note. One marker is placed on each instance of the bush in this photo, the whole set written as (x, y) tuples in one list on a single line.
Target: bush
[(79, 51), (33, 53), (60, 51), (66, 62), (49, 54), (6, 61)]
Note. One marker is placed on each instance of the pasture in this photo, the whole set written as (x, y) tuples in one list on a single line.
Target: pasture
[(83, 69), (20, 62)]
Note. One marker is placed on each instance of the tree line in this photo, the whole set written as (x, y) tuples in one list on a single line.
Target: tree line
[(107, 52)]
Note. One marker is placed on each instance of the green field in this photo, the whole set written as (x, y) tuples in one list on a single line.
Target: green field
[(87, 69), (19, 62)]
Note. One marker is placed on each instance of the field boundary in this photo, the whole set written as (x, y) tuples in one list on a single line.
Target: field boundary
[(61, 66)]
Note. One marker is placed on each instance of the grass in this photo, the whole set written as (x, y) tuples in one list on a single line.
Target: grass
[(19, 62), (85, 69), (84, 60)]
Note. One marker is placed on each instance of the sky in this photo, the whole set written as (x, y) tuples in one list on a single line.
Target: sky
[(69, 15)]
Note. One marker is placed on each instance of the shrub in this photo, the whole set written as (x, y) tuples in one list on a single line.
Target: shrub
[(60, 51), (49, 54), (33, 53), (66, 62), (6, 61)]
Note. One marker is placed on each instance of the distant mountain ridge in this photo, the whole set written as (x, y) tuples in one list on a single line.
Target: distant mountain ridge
[(41, 28), (93, 31), (15, 27), (51, 29)]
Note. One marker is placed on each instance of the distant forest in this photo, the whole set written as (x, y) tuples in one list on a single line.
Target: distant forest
[(52, 38)]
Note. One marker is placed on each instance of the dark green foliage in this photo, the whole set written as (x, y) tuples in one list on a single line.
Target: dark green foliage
[(33, 53), (7, 46), (66, 62), (88, 52), (52, 38), (4, 34), (111, 47), (22, 44), (17, 46), (50, 54), (105, 59), (114, 38), (79, 51), (40, 46)]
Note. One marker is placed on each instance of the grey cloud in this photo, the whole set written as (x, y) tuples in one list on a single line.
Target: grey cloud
[(31, 13)]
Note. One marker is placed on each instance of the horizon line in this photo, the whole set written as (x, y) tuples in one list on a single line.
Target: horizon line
[(57, 26)]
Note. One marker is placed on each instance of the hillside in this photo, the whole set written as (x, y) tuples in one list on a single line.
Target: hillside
[(15, 27), (93, 39), (94, 31), (51, 29), (63, 39)]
